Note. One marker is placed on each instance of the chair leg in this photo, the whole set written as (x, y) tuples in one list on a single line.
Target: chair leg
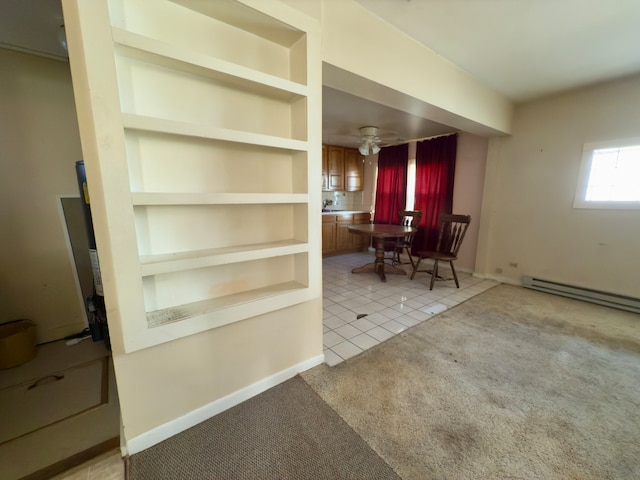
[(434, 273), (415, 268), (408, 250), (455, 277)]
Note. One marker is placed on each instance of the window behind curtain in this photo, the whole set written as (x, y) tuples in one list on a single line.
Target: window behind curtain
[(435, 171), (391, 186)]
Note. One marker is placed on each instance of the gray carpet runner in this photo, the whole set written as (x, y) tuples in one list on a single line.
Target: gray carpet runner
[(287, 432)]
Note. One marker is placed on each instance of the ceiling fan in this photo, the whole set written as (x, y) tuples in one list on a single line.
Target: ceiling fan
[(370, 140)]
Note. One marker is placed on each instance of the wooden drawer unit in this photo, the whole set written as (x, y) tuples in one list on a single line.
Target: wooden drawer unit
[(55, 408), (52, 398)]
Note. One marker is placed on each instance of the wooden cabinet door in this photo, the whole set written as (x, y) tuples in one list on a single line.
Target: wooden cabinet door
[(335, 167), (328, 234), (344, 238), (325, 173), (361, 242), (353, 170)]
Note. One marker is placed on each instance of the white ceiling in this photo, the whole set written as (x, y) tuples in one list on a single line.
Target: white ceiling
[(524, 49)]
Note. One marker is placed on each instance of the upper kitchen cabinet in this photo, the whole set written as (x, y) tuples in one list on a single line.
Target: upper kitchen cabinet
[(344, 170), (335, 167), (353, 170), (325, 166), (201, 139)]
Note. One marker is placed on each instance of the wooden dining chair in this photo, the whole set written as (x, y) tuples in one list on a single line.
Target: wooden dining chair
[(410, 218), (452, 231)]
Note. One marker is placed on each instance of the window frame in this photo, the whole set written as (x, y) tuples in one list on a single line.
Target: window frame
[(585, 170)]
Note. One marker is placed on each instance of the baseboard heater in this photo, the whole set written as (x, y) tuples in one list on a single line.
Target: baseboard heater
[(594, 296)]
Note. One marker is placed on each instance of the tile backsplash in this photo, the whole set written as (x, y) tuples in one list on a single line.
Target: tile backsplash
[(346, 201)]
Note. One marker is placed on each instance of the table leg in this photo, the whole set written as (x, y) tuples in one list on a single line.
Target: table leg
[(379, 263), (379, 266)]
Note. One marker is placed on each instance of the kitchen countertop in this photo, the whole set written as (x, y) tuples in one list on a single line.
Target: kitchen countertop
[(340, 212)]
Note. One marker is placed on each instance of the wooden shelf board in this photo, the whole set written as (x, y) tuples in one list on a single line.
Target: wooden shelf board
[(247, 19), (158, 125), (161, 198), (172, 262), (196, 309), (174, 57)]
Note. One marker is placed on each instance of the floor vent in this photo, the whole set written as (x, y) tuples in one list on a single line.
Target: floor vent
[(602, 298)]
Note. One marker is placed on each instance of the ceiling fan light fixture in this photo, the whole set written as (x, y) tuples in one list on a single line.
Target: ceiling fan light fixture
[(370, 141)]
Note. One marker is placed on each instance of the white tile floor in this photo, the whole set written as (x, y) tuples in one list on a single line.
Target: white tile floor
[(385, 308)]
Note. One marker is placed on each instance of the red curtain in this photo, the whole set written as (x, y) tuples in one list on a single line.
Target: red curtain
[(435, 170), (391, 188)]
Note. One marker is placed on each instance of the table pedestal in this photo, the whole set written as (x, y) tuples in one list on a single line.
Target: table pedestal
[(379, 266)]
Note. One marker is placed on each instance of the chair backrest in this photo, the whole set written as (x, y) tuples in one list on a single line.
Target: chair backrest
[(410, 218), (452, 231)]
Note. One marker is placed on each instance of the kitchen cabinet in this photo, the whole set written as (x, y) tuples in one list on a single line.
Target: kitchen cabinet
[(361, 242), (342, 169), (325, 166), (344, 240), (328, 234), (197, 241), (335, 168), (353, 170), (336, 238)]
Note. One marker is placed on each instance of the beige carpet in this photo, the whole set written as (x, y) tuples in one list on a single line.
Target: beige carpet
[(512, 384)]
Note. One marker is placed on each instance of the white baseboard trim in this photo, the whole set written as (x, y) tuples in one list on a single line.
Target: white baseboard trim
[(498, 278), (173, 427)]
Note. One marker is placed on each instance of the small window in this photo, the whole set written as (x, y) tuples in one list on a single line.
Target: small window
[(609, 175)]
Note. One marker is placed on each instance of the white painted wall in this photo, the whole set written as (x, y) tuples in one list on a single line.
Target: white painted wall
[(468, 186), (529, 225), (40, 145)]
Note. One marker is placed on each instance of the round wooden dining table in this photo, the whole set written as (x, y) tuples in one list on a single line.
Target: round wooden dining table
[(379, 232)]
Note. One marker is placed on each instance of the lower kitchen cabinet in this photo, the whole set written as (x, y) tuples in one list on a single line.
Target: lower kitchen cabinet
[(336, 238), (328, 234)]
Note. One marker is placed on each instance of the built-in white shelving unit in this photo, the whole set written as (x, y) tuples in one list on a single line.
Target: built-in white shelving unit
[(215, 147)]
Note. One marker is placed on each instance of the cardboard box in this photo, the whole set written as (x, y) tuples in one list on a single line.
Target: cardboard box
[(17, 343)]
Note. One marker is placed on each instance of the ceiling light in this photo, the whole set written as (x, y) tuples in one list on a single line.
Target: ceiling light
[(368, 147), (370, 139)]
